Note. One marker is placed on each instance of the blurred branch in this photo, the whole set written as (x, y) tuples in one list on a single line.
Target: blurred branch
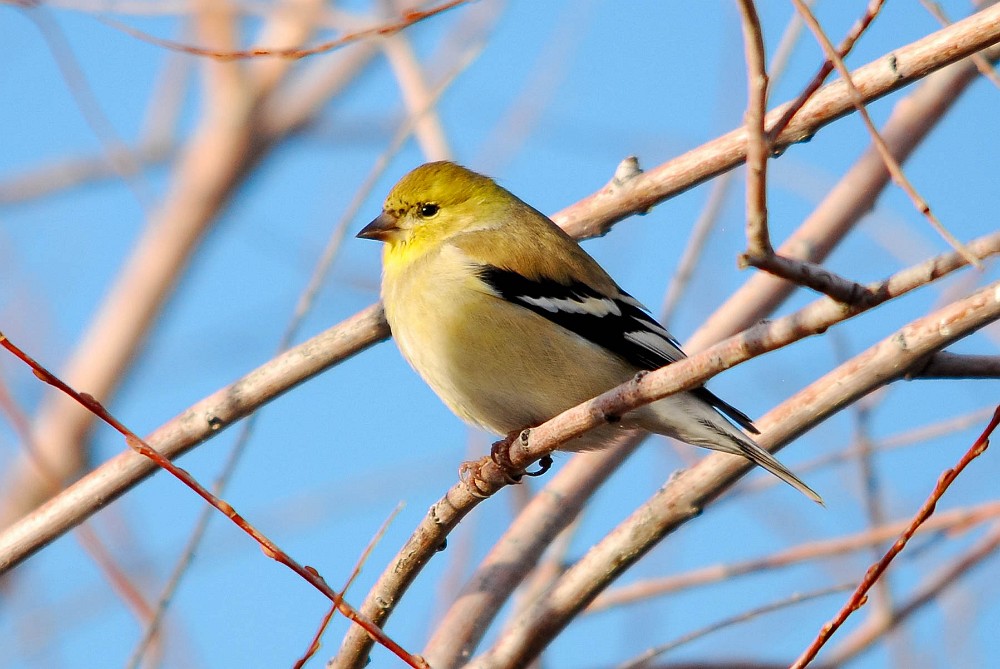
[(228, 143), (814, 550), (944, 365), (982, 64), (420, 100), (907, 438), (116, 154), (642, 662), (69, 172)]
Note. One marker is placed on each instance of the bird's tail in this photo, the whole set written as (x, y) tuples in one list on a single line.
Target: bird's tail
[(762, 458), (691, 419)]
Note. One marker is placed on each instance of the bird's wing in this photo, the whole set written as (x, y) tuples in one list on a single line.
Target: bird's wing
[(617, 322)]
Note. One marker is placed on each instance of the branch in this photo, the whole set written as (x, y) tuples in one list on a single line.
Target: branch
[(758, 147), (595, 214), (855, 195), (196, 424)]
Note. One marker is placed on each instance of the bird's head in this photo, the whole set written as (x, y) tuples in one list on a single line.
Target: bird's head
[(435, 202)]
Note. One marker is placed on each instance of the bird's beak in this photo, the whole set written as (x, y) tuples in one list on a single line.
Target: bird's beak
[(381, 228)]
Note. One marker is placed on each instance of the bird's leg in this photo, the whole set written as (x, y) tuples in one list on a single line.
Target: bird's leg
[(471, 472)]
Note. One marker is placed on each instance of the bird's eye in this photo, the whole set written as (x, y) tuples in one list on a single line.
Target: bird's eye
[(428, 210)]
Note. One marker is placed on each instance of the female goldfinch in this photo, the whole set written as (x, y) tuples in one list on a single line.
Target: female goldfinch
[(511, 322)]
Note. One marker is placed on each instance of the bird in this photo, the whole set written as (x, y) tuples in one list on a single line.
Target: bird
[(510, 322)]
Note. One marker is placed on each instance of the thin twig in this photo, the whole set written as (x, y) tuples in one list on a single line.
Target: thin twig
[(858, 29), (890, 161), (642, 662), (859, 597), (406, 20)]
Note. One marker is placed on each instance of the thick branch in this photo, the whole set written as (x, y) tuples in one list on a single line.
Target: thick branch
[(594, 215)]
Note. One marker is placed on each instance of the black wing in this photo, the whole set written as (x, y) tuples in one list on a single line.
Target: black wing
[(620, 324)]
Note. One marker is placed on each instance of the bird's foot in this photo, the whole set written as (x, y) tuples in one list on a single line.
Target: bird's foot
[(500, 454), (477, 483), (544, 465), (470, 473)]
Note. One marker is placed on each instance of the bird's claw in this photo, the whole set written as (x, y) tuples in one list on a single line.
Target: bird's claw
[(544, 465), (470, 473), (500, 454)]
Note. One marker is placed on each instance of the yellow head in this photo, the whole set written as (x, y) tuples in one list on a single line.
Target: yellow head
[(434, 202)]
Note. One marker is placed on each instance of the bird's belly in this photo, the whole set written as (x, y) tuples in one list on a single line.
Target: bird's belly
[(484, 365)]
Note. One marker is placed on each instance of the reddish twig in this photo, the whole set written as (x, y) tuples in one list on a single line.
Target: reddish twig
[(890, 161), (88, 537), (927, 593), (860, 596), (860, 26), (270, 549), (314, 644), (407, 19)]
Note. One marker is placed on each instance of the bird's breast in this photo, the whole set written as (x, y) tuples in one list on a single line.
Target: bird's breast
[(494, 363)]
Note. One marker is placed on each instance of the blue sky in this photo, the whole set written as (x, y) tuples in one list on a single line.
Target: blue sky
[(559, 94)]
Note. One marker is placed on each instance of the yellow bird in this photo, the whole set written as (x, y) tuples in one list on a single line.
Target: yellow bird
[(510, 322)]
